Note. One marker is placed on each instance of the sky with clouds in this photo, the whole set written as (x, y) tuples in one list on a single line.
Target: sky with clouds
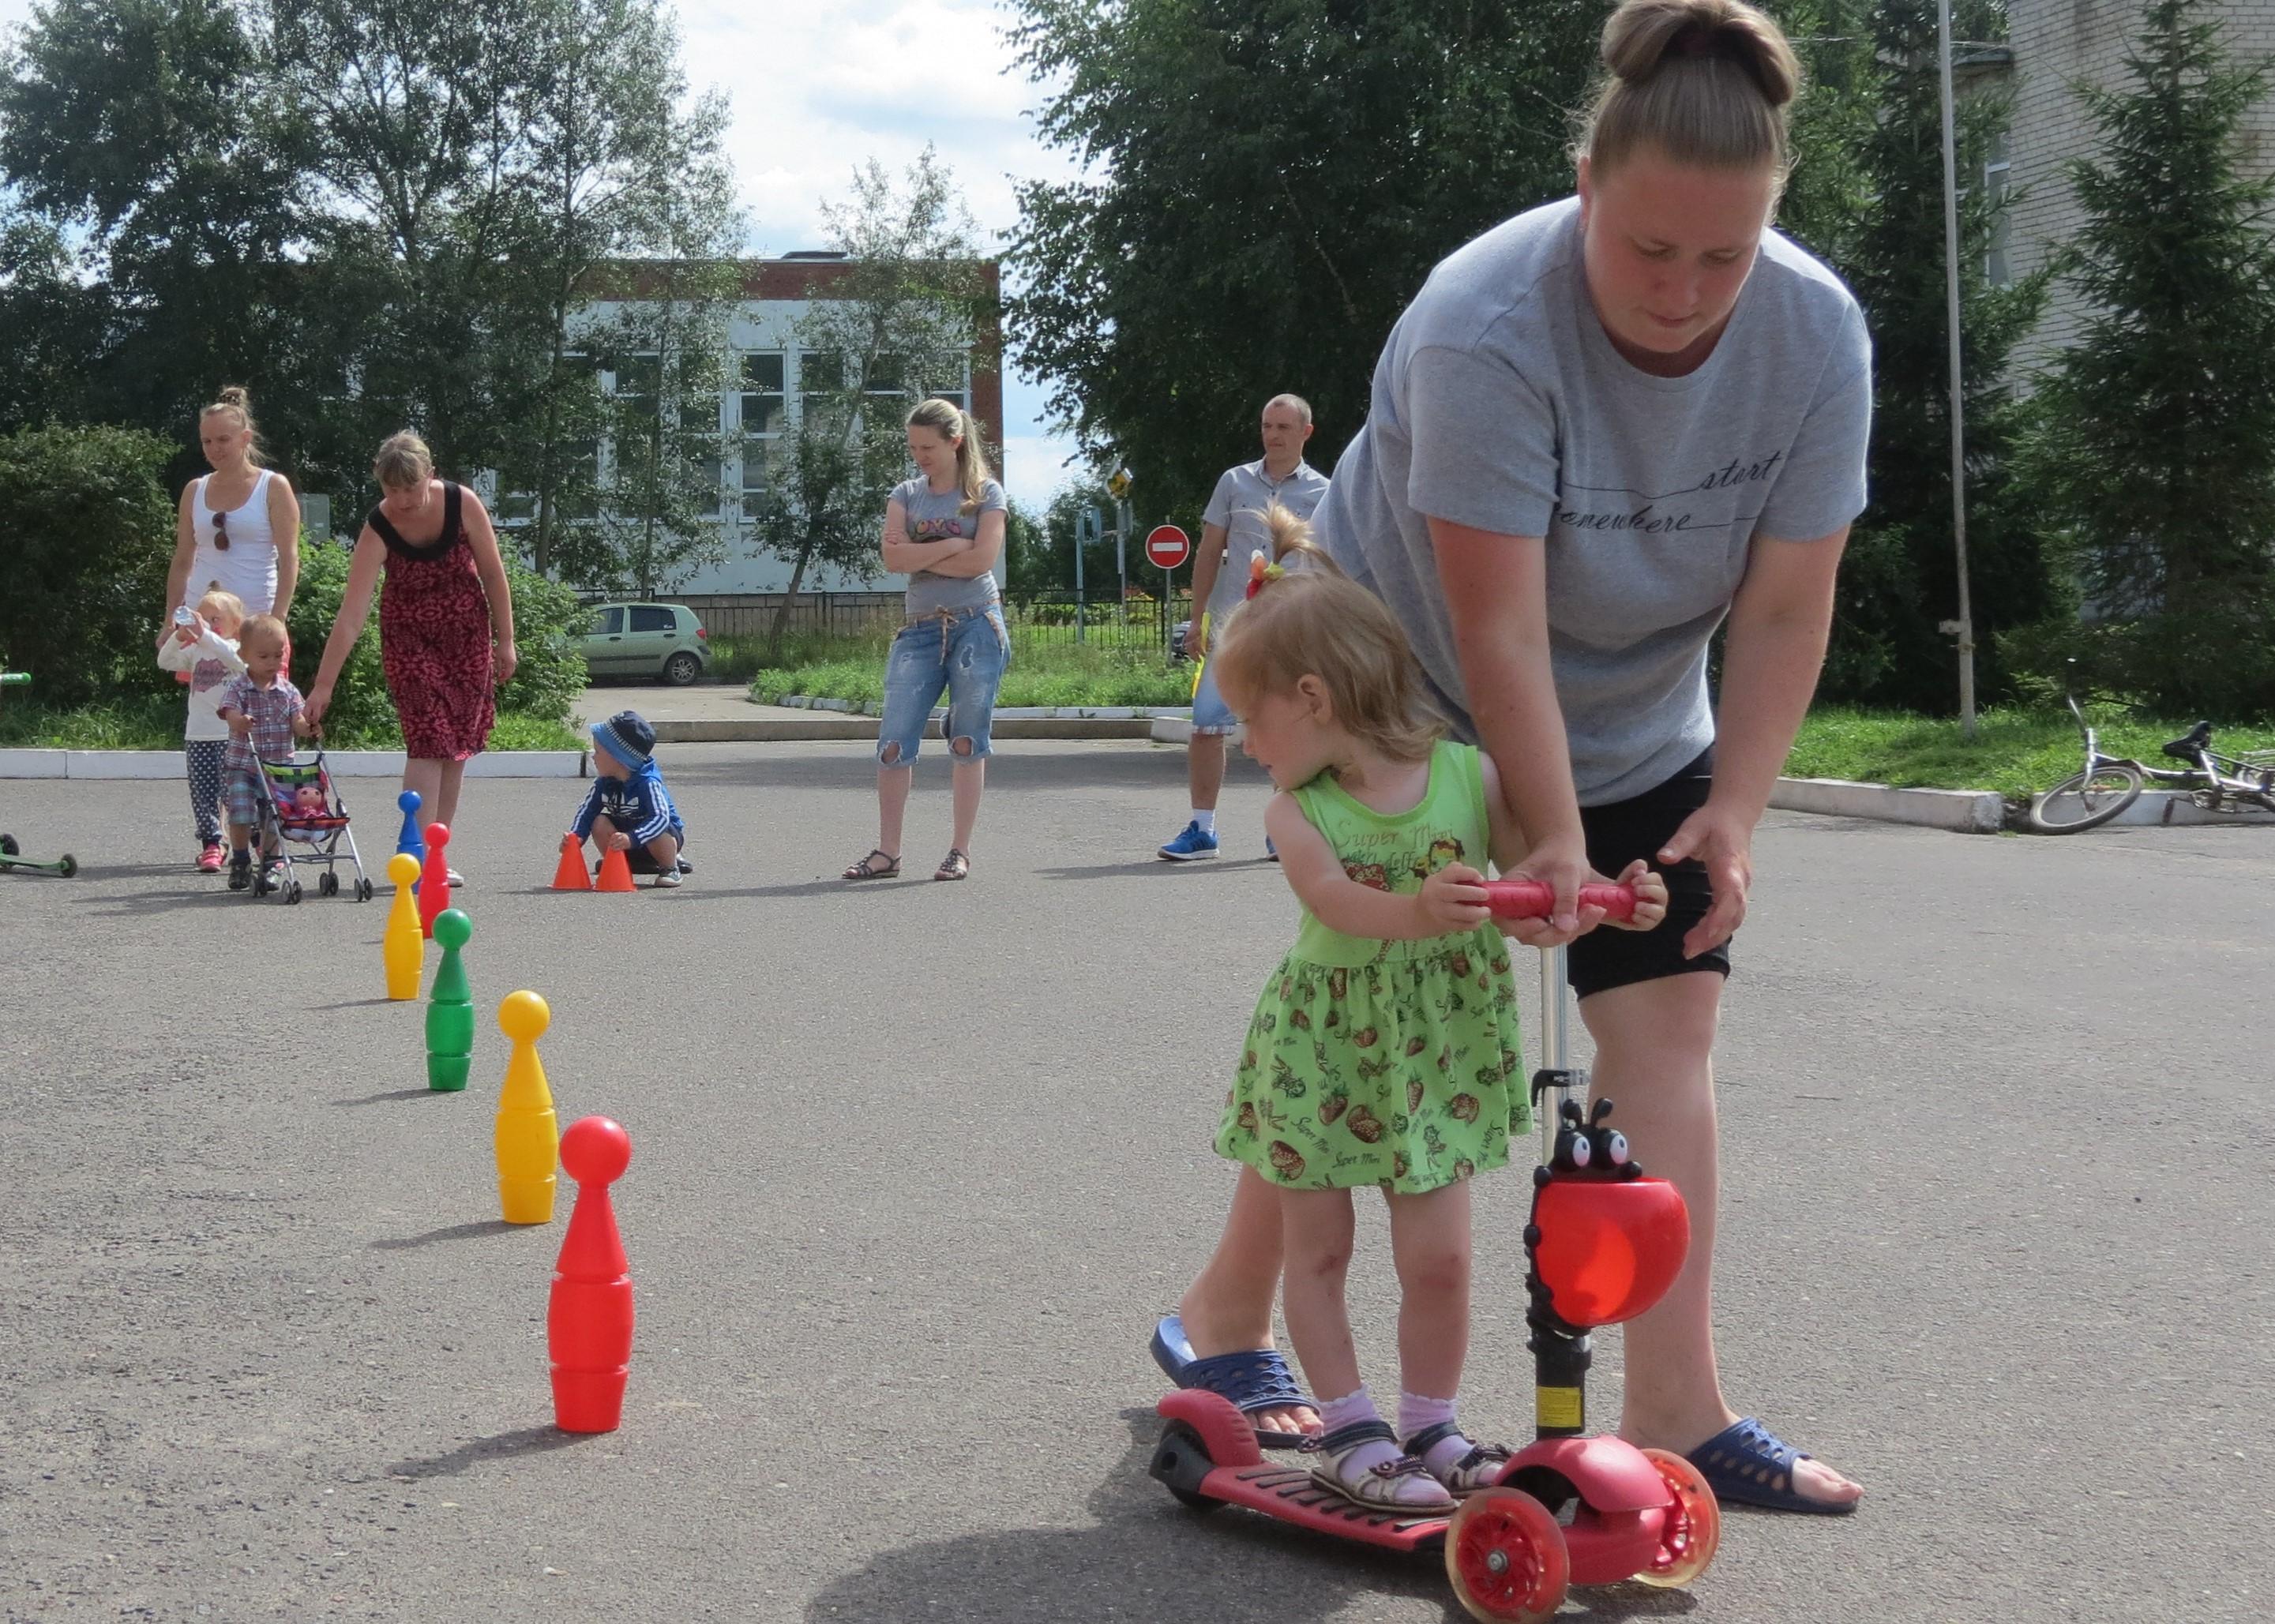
[(819, 85)]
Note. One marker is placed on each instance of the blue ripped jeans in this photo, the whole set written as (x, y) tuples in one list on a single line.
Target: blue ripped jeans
[(963, 652)]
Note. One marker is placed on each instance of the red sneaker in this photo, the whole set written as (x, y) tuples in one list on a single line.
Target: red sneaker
[(209, 860)]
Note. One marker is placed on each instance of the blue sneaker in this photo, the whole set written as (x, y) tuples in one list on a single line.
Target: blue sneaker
[(1194, 842), (1271, 852)]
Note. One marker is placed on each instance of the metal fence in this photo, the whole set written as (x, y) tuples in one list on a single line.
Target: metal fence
[(1138, 624), (828, 614)]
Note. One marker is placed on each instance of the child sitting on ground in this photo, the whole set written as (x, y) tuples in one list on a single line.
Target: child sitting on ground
[(263, 709), (628, 809), (201, 650), (1384, 1050)]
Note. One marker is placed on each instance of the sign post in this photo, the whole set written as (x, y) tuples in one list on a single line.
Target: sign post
[(1168, 546), (1118, 486), (1089, 525)]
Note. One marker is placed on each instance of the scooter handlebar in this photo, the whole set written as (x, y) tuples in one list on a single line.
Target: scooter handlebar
[(1531, 899)]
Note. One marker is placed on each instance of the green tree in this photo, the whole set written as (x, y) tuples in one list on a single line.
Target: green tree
[(1045, 561), (1878, 196), (89, 533), (147, 131), (374, 218), (911, 311), (2155, 455), (617, 168), (54, 321), (1270, 184)]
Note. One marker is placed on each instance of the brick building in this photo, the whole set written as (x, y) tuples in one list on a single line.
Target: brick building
[(2055, 44)]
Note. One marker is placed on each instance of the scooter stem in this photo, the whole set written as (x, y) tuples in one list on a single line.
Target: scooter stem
[(1562, 1354)]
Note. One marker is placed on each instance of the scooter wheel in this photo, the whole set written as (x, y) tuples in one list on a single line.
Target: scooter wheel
[(1181, 1461), (1506, 1559), (67, 865), (1694, 1527), (9, 847)]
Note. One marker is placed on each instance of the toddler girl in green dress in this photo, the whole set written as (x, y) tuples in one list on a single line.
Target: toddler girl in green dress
[(1384, 1050)]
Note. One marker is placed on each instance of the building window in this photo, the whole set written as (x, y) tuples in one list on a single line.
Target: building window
[(820, 379), (1996, 270), (764, 413)]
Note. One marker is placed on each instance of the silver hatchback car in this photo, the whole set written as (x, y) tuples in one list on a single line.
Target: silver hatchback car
[(662, 640)]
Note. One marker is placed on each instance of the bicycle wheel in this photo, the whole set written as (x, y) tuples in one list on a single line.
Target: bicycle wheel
[(2087, 800)]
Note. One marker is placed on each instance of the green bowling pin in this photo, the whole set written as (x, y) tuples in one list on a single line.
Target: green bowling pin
[(450, 1009)]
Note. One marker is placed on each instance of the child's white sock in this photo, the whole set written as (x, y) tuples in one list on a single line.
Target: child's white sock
[(1416, 1414), (1205, 819), (1352, 1408)]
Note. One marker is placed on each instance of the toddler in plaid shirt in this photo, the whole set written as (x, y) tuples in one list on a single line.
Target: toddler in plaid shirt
[(263, 709)]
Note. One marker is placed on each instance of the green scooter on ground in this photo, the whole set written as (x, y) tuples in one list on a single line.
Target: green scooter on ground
[(10, 854)]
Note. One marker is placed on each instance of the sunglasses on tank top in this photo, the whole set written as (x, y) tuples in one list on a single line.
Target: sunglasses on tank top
[(221, 532)]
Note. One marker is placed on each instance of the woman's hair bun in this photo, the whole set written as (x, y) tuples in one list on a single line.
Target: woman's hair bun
[(1641, 35)]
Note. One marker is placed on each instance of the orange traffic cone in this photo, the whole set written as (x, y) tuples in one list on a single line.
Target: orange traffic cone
[(615, 872), (571, 875)]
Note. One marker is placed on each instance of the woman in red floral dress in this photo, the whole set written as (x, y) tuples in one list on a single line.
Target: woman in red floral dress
[(445, 604)]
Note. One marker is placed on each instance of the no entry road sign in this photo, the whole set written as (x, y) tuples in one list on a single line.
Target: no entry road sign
[(1166, 546)]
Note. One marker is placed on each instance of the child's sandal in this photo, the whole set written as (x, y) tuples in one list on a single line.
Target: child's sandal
[(1480, 1469), (955, 866), (1404, 1486), (867, 869)]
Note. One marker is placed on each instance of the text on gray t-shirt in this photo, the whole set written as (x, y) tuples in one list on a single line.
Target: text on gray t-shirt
[(935, 515), (1499, 403)]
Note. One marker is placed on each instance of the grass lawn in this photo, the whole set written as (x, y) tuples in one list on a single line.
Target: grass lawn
[(1047, 668), (2016, 753), (154, 722)]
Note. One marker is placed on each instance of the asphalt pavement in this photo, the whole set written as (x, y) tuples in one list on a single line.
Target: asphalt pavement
[(914, 1165)]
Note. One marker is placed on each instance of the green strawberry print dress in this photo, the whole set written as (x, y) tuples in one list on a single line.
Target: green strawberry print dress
[(1394, 1063)]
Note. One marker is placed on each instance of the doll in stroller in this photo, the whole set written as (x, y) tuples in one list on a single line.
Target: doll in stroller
[(300, 809)]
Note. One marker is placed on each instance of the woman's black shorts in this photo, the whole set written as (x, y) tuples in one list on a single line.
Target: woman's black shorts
[(1637, 828)]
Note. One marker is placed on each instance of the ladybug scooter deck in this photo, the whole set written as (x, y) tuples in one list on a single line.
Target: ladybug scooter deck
[(1208, 1457)]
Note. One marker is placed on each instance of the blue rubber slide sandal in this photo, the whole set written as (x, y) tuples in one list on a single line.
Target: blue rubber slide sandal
[(1747, 1464), (1253, 1379)]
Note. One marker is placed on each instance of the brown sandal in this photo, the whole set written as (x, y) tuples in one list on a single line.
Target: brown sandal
[(866, 868), (955, 866)]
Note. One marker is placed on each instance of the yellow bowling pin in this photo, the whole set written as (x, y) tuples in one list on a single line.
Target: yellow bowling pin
[(528, 1138), (403, 948)]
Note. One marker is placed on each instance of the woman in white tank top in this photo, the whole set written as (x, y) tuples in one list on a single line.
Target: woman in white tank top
[(239, 527)]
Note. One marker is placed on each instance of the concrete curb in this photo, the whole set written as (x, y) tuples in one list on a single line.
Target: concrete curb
[(854, 725), (164, 764), (1178, 729), (1967, 812), (852, 718)]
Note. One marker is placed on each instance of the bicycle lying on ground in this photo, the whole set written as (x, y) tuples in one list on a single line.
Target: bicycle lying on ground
[(2108, 784)]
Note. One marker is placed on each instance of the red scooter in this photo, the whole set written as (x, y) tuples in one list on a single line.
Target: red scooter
[(1603, 1245)]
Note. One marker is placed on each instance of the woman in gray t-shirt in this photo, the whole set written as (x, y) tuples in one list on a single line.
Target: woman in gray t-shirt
[(944, 531), (1601, 430)]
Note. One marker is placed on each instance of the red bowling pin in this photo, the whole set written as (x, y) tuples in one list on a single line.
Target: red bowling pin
[(588, 1324), (435, 883)]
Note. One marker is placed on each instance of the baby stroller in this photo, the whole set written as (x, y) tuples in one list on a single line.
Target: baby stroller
[(12, 855), (300, 806)]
